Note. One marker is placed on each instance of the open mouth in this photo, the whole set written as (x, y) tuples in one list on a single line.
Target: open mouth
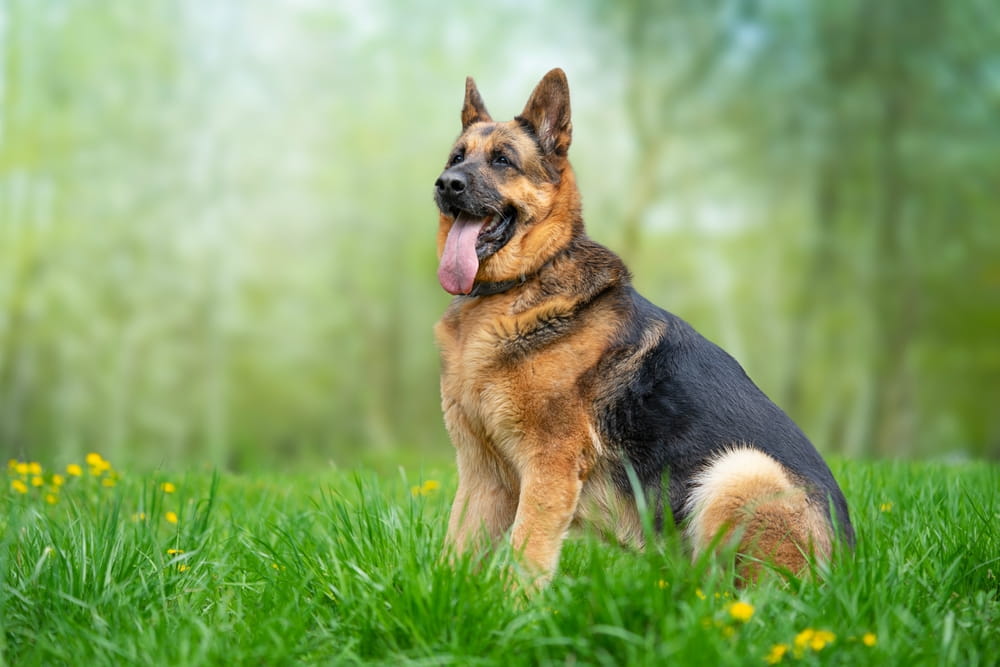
[(472, 239), (494, 233)]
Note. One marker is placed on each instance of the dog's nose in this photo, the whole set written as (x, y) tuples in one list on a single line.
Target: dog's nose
[(450, 182)]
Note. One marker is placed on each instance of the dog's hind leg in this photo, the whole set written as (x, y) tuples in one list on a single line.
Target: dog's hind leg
[(749, 500)]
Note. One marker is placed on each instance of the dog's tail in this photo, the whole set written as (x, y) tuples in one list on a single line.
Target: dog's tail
[(747, 499)]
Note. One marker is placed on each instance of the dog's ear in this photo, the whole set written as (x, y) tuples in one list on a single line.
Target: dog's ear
[(473, 111), (547, 111)]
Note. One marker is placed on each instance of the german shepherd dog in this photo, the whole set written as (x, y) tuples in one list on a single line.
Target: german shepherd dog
[(566, 393)]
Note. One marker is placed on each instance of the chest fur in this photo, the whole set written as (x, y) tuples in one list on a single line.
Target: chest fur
[(506, 375)]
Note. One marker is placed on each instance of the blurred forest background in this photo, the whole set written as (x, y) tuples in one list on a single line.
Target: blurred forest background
[(217, 237)]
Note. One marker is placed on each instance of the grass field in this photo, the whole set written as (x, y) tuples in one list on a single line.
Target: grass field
[(342, 568)]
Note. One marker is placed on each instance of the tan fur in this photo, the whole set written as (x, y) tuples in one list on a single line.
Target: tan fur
[(746, 497), (525, 445), (527, 252)]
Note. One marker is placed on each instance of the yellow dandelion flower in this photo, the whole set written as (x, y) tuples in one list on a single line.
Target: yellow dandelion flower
[(425, 489), (741, 611), (98, 465), (174, 552), (58, 480), (776, 653), (19, 486), (35, 468), (74, 470), (139, 516), (885, 507), (182, 568), (21, 468), (168, 487), (37, 481), (11, 464), (803, 638), (108, 481), (51, 498), (869, 639), (813, 639), (701, 596), (662, 584), (171, 517)]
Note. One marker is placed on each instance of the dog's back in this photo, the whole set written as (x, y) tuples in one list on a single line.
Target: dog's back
[(687, 410)]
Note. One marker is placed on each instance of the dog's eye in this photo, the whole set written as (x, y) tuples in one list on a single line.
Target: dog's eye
[(455, 159), (501, 160)]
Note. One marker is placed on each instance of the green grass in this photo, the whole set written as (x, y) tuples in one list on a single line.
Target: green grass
[(344, 568)]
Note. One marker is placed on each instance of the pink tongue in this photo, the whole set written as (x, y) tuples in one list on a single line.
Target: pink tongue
[(459, 264)]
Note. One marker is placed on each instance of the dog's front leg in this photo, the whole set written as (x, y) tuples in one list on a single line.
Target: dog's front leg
[(485, 503), (550, 491)]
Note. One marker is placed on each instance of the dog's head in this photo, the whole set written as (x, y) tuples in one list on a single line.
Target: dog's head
[(507, 196)]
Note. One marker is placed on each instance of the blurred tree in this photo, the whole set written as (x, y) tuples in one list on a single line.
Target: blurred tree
[(216, 229), (852, 99)]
